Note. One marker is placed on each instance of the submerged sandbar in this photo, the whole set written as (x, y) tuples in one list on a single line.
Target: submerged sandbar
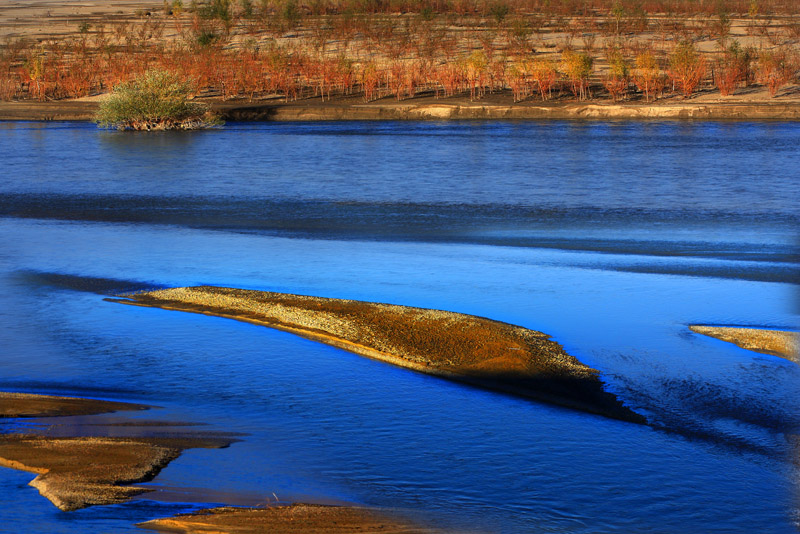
[(457, 346), (783, 343)]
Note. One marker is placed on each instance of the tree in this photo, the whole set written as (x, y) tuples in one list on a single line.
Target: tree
[(618, 78), (776, 68), (687, 67), (156, 100), (545, 75), (577, 67), (647, 75)]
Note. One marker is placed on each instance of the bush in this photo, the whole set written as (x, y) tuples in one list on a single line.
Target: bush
[(156, 100)]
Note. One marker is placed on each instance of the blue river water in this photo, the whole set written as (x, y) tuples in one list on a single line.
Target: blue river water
[(610, 237)]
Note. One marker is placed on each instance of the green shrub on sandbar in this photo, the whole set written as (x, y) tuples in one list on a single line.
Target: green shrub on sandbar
[(155, 100)]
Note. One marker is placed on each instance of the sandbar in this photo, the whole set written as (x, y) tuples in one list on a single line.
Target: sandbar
[(294, 519), (74, 472), (31, 405), (460, 347), (783, 343)]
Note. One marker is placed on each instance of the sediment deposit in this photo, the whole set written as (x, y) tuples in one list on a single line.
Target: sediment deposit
[(783, 343), (461, 347)]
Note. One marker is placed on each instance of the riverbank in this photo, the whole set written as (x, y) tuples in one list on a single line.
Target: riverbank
[(497, 107), (459, 347)]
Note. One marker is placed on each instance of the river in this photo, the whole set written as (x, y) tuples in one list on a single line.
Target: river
[(612, 237)]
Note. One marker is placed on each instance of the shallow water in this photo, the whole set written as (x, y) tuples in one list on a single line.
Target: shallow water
[(611, 237)]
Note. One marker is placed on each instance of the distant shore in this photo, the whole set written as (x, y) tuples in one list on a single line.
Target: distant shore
[(495, 107)]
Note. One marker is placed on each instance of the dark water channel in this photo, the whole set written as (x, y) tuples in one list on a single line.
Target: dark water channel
[(611, 237)]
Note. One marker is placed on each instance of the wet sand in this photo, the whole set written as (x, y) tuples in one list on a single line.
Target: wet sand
[(294, 519), (460, 347), (78, 471), (781, 343)]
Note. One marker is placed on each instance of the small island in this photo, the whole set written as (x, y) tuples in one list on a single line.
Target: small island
[(460, 347)]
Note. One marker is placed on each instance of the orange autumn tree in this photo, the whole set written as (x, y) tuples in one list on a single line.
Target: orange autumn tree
[(687, 67)]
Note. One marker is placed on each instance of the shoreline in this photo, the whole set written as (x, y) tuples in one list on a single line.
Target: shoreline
[(430, 108)]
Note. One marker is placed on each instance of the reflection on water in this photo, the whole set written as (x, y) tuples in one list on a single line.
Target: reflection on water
[(611, 237)]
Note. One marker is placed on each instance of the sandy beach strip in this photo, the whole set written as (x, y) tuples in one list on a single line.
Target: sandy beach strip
[(456, 346), (783, 343)]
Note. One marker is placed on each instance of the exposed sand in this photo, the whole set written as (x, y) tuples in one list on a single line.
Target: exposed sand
[(781, 343), (460, 347), (294, 519), (76, 472)]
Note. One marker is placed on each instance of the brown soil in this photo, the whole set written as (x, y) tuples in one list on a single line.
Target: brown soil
[(29, 405), (76, 472), (461, 347), (294, 519), (776, 342)]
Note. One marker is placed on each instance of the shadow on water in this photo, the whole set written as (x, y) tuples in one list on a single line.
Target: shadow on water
[(699, 409), (88, 284), (681, 242)]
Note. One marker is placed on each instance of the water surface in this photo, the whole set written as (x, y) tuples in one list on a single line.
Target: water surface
[(611, 237)]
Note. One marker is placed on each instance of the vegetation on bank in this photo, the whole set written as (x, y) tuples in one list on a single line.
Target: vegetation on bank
[(533, 49), (155, 100)]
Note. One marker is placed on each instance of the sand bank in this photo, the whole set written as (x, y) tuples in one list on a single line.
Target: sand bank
[(294, 519), (80, 471), (456, 346), (781, 343)]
